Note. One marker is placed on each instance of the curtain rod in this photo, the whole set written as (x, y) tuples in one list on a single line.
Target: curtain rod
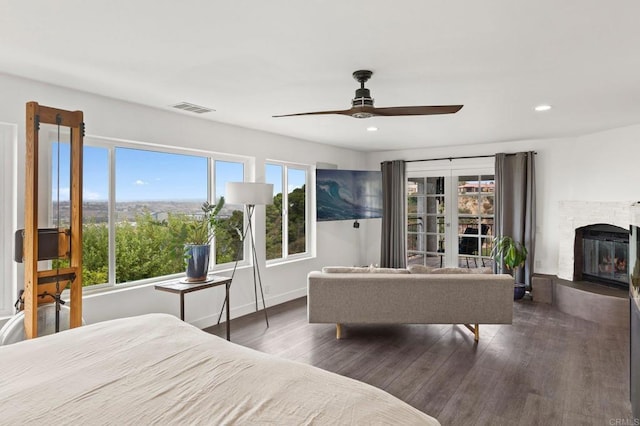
[(459, 158)]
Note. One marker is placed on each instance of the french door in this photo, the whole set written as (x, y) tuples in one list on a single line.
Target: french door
[(450, 217)]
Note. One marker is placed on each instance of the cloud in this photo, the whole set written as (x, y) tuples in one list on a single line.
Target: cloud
[(91, 196), (64, 194), (141, 182)]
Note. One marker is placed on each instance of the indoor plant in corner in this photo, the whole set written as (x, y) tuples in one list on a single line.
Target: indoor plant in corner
[(197, 233), (512, 254)]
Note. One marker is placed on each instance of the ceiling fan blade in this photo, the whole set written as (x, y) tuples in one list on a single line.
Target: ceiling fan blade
[(343, 112), (417, 110)]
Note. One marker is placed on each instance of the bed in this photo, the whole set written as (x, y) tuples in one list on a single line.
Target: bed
[(156, 369)]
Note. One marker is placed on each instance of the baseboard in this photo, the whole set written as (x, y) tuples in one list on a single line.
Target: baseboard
[(249, 308)]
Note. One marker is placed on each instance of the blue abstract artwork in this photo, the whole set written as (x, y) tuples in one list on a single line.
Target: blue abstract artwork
[(348, 194)]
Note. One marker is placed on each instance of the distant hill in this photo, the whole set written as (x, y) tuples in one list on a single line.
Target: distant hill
[(97, 211)]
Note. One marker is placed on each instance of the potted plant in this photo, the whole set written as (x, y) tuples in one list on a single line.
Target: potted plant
[(197, 234), (512, 254)]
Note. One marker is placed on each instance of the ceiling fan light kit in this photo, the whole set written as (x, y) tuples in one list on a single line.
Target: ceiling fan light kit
[(362, 104)]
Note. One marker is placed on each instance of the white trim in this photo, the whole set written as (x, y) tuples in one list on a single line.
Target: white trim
[(248, 308), (8, 217), (111, 215)]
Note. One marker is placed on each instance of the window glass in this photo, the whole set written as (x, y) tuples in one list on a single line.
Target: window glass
[(95, 208), (475, 219), (274, 213), (425, 221), (155, 193), (296, 211), (227, 239)]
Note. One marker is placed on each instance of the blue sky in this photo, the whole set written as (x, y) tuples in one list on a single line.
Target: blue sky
[(154, 176), (273, 172)]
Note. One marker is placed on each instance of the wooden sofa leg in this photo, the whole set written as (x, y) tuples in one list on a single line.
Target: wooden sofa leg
[(475, 330), (338, 331)]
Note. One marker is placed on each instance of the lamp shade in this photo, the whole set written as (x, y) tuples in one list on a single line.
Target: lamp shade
[(249, 193)]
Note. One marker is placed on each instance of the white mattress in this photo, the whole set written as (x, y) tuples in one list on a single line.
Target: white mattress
[(158, 369)]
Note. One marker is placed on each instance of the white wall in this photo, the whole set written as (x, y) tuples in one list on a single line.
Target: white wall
[(598, 167), (337, 242)]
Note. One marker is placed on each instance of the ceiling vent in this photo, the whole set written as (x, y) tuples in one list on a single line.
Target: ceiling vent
[(186, 106)]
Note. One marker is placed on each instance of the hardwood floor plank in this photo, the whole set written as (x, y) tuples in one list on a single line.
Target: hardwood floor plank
[(547, 368)]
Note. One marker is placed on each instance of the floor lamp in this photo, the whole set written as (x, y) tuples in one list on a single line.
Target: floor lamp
[(250, 194)]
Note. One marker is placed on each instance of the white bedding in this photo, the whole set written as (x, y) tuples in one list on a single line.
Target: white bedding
[(158, 369)]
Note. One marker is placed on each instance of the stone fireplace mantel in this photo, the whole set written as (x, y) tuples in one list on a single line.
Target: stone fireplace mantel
[(576, 214)]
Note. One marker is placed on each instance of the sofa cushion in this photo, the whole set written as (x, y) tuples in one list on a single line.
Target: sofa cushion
[(361, 269), (375, 270), (486, 270), (420, 269), (344, 269)]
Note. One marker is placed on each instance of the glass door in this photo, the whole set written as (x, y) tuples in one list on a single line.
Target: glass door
[(426, 237), (450, 214), (475, 199)]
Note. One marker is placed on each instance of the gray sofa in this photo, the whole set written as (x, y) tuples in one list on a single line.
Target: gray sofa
[(400, 297)]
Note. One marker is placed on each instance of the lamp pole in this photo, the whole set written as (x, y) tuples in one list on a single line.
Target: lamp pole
[(250, 194)]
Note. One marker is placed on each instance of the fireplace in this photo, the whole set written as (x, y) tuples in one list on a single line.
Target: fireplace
[(601, 254)]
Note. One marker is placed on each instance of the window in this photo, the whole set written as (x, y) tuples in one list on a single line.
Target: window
[(288, 215), (135, 200), (450, 215)]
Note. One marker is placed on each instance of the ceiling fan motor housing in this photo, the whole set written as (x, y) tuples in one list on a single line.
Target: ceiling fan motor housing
[(363, 98)]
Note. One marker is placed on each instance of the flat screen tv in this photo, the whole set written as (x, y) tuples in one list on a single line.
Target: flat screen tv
[(348, 194)]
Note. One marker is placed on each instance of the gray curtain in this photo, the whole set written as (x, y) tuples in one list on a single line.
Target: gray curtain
[(393, 253), (515, 205)]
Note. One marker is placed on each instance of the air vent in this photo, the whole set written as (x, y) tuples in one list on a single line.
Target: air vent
[(186, 106)]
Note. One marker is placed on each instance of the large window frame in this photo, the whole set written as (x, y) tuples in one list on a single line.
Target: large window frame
[(309, 228), (111, 145)]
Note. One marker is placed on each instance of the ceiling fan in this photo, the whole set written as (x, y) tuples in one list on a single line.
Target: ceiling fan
[(362, 104)]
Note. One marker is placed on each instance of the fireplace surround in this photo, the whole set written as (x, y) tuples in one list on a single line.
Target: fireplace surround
[(575, 214)]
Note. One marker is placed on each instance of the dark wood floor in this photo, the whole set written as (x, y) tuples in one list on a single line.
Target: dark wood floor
[(548, 368)]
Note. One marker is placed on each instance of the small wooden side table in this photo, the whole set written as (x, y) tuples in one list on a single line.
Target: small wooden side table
[(181, 287)]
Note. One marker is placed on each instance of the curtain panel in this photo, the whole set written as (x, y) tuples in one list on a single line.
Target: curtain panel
[(393, 253), (515, 199)]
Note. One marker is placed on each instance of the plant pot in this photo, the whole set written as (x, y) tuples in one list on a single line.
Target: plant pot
[(197, 260), (518, 291)]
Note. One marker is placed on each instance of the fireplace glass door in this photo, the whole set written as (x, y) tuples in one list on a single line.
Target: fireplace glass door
[(605, 259)]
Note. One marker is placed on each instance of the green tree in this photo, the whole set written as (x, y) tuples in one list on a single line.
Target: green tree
[(228, 238), (297, 221), (273, 236)]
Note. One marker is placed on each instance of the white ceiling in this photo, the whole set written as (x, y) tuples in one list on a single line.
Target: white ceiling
[(251, 59)]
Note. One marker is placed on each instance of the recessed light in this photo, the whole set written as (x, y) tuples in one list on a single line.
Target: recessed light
[(540, 108), (372, 129)]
